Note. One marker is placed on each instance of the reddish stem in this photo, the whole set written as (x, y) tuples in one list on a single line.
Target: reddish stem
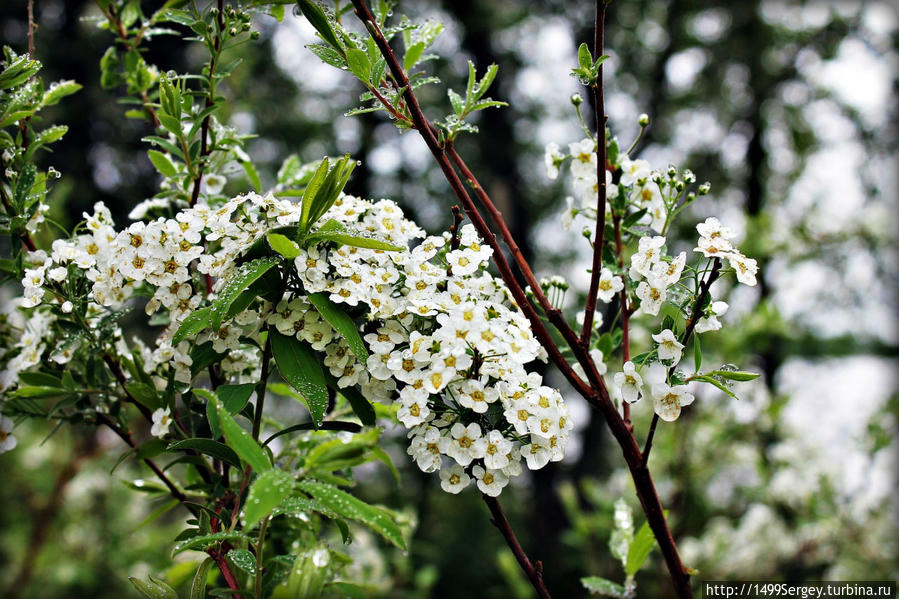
[(534, 573), (598, 241)]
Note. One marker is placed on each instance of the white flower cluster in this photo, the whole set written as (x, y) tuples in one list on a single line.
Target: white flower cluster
[(444, 339), (652, 274)]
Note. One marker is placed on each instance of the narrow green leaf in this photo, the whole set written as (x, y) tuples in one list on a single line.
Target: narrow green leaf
[(357, 61), (361, 406), (38, 392), (413, 54), (350, 507), (250, 169), (716, 383), (341, 323), (584, 58), (195, 322), (240, 440), (300, 367), (352, 241), (266, 493), (154, 589), (217, 450), (734, 375), (320, 21), (235, 397), (236, 284), (457, 102), (40, 379), (601, 586), (198, 585), (639, 550), (384, 458), (244, 560), (162, 163), (204, 541), (311, 191), (283, 245), (697, 353)]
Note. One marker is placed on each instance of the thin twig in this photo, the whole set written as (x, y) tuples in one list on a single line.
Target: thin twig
[(691, 324), (534, 574), (598, 240), (31, 29), (625, 313), (210, 100)]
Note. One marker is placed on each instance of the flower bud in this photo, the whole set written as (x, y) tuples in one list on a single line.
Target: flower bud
[(643, 120), (576, 99)]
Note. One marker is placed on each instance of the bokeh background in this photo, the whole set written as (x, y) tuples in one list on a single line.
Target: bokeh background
[(787, 108)]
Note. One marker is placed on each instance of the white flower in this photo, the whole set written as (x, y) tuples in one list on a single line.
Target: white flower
[(648, 253), (462, 446), (609, 285), (162, 419), (490, 482), (453, 479), (652, 292), (669, 347), (537, 453), (746, 268), (425, 449), (552, 159), (629, 382), (670, 272), (496, 449), (7, 441), (634, 170), (668, 401), (710, 322), (712, 228)]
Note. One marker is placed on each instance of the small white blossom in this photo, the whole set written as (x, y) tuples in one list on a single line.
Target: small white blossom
[(162, 419), (629, 382), (668, 401), (669, 347)]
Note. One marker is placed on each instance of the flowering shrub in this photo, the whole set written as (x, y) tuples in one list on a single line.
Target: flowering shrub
[(363, 316)]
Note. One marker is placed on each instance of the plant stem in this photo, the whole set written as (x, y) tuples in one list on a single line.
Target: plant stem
[(688, 332), (598, 241), (258, 578), (625, 313), (534, 573), (260, 388)]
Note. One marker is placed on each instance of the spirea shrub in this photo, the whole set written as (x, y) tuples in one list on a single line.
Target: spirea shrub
[(303, 292)]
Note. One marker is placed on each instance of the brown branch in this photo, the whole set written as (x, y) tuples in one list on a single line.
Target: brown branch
[(598, 241), (625, 314), (595, 392), (210, 100), (688, 332), (534, 573), (31, 29)]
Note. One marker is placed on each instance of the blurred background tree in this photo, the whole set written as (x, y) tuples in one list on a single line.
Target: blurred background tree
[(787, 108)]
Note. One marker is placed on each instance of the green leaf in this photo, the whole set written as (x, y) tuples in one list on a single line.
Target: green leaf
[(357, 61), (320, 21), (40, 379), (252, 175), (241, 441), (341, 323), (311, 191), (457, 102), (38, 392), (697, 353), (195, 322), (413, 54), (235, 397), (300, 367), (584, 58), (361, 406), (602, 586), (350, 507), (154, 589), (145, 395), (235, 285), (308, 574), (198, 585), (58, 91), (716, 383), (162, 163), (244, 560), (283, 245), (734, 375), (351, 240), (266, 493), (219, 451), (639, 549), (204, 541)]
